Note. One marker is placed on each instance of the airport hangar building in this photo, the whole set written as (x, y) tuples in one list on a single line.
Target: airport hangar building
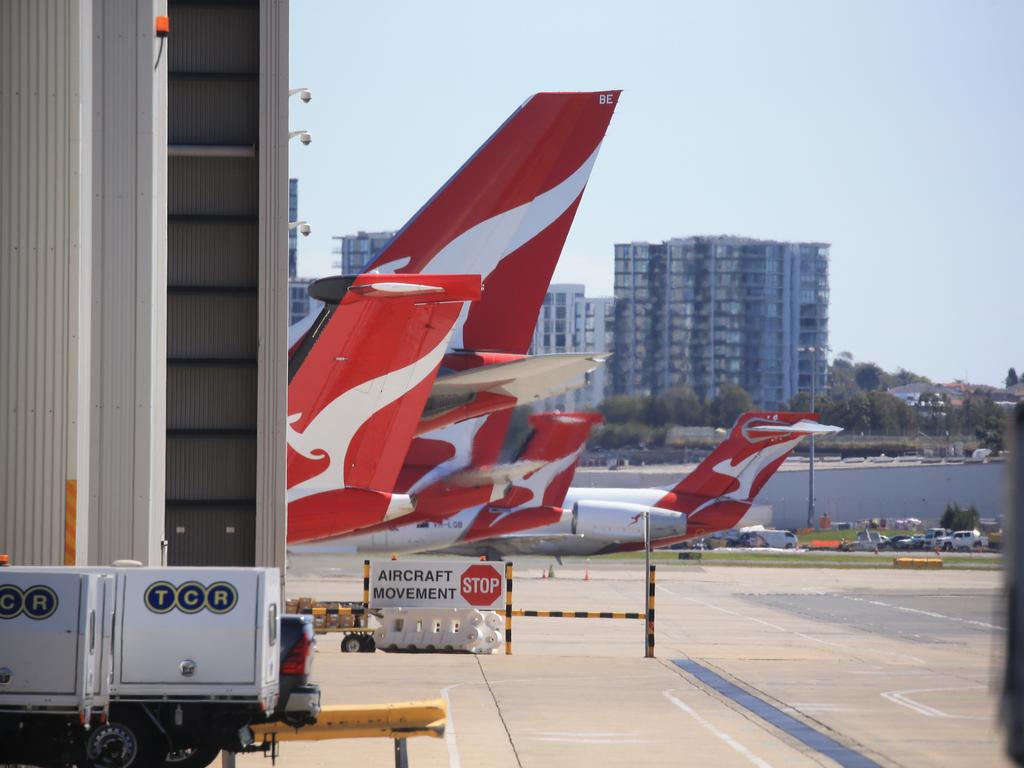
[(143, 281)]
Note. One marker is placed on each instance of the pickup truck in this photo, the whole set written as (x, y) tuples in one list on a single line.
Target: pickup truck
[(868, 541), (966, 540), (299, 700), (934, 538), (119, 667)]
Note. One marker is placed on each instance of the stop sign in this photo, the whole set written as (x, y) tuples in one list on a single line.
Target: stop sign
[(480, 585)]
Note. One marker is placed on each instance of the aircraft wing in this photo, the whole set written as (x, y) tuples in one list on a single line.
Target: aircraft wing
[(802, 427), (531, 378)]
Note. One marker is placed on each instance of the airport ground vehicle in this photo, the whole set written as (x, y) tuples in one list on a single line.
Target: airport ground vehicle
[(966, 540), (119, 667), (934, 537), (868, 541), (768, 538), (299, 700)]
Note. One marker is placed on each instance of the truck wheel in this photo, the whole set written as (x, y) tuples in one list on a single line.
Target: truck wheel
[(351, 644), (191, 757), (367, 644), (127, 739)]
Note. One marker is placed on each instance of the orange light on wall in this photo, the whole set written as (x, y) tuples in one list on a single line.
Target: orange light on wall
[(163, 26)]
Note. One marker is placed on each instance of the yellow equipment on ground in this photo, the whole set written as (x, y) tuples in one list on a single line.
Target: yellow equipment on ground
[(360, 721)]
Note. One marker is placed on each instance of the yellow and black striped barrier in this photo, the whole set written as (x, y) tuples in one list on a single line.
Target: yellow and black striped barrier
[(508, 609), (649, 653), (334, 610), (647, 616), (366, 584), (579, 614)]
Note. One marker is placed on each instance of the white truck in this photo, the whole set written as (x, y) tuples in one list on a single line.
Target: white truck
[(967, 540), (120, 667), (935, 538)]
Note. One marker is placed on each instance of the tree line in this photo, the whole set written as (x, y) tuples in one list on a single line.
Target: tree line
[(856, 399)]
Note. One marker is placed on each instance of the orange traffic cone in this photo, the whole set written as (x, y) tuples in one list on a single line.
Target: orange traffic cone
[(586, 574)]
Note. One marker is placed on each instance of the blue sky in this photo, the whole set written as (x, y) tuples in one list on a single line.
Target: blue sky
[(893, 130)]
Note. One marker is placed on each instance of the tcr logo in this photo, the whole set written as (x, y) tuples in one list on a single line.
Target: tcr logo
[(36, 602), (190, 597)]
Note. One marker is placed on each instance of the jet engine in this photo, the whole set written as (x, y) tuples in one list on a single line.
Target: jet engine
[(616, 521)]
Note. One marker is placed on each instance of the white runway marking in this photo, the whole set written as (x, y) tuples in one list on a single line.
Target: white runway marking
[(720, 734), (768, 624), (914, 659), (449, 730), (932, 614), (903, 698)]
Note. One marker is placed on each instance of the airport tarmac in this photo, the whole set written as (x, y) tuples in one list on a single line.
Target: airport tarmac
[(776, 667)]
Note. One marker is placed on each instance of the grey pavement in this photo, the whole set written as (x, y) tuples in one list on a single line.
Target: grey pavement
[(901, 667)]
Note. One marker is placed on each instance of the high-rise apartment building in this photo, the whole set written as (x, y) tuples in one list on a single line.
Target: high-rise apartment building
[(569, 321), (702, 311), (293, 235), (358, 250), (299, 302)]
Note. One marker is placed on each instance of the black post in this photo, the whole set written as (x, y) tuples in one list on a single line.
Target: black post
[(401, 754)]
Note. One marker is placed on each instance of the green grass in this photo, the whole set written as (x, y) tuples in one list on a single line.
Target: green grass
[(804, 560), (833, 535)]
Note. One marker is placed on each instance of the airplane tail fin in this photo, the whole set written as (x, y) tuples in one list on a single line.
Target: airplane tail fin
[(755, 448), (552, 451), (358, 380), (505, 215), (555, 444)]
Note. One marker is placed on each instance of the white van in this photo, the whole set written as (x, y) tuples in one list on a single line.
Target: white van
[(771, 539), (781, 540)]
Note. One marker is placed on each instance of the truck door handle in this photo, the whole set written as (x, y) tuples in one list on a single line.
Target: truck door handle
[(188, 667)]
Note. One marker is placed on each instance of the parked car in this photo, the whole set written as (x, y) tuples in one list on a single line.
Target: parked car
[(902, 541), (966, 540), (868, 541)]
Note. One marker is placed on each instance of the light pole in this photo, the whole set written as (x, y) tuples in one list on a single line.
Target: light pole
[(810, 494), (814, 376)]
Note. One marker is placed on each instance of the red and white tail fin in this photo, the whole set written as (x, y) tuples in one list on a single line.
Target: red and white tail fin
[(556, 444), (740, 466), (551, 455), (358, 382), (505, 215)]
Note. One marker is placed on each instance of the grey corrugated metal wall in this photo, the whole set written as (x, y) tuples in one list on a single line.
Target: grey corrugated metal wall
[(227, 283), (83, 280), (129, 294), (272, 399), (40, 241)]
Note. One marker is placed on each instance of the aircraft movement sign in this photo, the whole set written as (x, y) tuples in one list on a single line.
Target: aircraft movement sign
[(436, 584)]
